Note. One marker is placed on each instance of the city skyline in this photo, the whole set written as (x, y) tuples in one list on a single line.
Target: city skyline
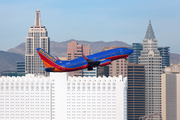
[(92, 21)]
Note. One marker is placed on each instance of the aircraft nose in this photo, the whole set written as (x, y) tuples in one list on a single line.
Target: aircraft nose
[(131, 51)]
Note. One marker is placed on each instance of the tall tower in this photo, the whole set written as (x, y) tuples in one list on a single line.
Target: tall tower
[(150, 57), (37, 37)]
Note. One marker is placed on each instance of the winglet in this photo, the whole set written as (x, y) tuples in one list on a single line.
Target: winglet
[(57, 58), (84, 57)]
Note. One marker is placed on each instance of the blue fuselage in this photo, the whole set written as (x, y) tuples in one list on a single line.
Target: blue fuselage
[(109, 54)]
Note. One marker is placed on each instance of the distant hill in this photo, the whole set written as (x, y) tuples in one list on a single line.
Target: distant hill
[(20, 49), (174, 58), (8, 60), (60, 48)]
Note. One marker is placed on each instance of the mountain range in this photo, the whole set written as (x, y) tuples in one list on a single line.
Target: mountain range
[(60, 48), (9, 59)]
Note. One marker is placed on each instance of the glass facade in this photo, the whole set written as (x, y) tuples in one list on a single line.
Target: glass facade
[(137, 47), (164, 52), (136, 91), (103, 71), (21, 68)]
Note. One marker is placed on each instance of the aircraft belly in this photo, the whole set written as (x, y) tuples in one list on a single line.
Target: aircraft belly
[(75, 68)]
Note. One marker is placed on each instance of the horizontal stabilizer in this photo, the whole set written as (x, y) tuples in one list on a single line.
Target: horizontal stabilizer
[(50, 68), (46, 69), (41, 68)]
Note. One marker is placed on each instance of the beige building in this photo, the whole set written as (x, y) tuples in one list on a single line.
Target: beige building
[(117, 67), (37, 37), (151, 58), (171, 93), (74, 51)]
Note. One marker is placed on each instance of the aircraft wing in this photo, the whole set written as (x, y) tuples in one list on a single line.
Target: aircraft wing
[(92, 63)]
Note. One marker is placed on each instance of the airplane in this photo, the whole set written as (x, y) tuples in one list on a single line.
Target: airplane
[(53, 64)]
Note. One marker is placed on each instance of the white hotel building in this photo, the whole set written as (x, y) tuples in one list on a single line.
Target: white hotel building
[(25, 98), (60, 97), (89, 98)]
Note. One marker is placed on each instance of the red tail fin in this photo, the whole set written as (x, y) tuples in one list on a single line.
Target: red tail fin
[(48, 60)]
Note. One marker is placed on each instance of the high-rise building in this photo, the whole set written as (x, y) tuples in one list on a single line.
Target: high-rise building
[(164, 52), (75, 50), (37, 37), (21, 68), (136, 91), (90, 73), (171, 93), (119, 66), (150, 57), (133, 57), (25, 98), (89, 98), (103, 71)]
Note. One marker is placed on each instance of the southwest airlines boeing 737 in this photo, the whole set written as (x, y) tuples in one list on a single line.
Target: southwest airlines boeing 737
[(53, 64)]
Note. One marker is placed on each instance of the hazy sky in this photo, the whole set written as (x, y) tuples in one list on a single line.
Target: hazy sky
[(92, 20)]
